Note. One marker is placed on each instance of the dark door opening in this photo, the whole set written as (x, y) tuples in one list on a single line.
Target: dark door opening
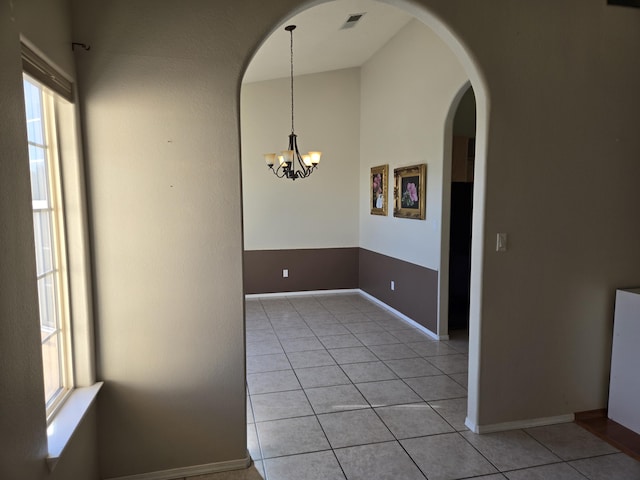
[(462, 168)]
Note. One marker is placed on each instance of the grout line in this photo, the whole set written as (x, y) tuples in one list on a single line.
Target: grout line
[(309, 401), (336, 316), (479, 452)]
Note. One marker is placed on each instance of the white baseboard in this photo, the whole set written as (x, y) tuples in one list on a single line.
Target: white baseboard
[(402, 316), (518, 424), (298, 294), (192, 471)]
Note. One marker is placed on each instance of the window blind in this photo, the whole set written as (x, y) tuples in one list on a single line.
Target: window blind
[(43, 72)]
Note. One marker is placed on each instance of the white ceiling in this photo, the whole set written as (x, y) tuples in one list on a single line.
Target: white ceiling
[(319, 42)]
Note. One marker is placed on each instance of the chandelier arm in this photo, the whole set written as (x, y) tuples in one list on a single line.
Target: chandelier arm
[(277, 172), (303, 171)]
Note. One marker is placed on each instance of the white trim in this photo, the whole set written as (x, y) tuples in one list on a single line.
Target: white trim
[(518, 424), (402, 316), (298, 294), (67, 419), (192, 471)]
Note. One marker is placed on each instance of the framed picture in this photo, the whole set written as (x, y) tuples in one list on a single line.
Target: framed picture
[(378, 181), (410, 192)]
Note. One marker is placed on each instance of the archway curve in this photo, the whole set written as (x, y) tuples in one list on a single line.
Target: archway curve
[(474, 72)]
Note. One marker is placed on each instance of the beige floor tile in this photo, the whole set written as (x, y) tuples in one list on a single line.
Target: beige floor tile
[(380, 461), (412, 367), (397, 351), (454, 411), (388, 392), (436, 387), (267, 363), (267, 382), (413, 420), (368, 372), (450, 363), (272, 406), (291, 436), (251, 473), (352, 355), (335, 399), (616, 466), (313, 358), (447, 457), (511, 450), (557, 471), (306, 466), (356, 427), (325, 376), (340, 341), (570, 441)]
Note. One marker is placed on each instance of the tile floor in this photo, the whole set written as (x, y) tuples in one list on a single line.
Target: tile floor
[(339, 388)]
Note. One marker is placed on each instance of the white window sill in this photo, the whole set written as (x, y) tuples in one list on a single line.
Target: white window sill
[(67, 419)]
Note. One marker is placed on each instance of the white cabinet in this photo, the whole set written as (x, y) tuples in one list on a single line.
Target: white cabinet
[(624, 386)]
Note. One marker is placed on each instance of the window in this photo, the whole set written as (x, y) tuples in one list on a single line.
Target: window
[(61, 248), (48, 225)]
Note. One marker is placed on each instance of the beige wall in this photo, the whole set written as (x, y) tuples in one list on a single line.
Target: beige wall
[(161, 125), (23, 438), (561, 181), (161, 91), (407, 90), (319, 211)]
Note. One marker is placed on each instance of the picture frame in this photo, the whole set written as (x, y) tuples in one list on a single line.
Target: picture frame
[(378, 184), (410, 192)]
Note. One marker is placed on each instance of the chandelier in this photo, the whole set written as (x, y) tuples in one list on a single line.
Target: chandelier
[(291, 164)]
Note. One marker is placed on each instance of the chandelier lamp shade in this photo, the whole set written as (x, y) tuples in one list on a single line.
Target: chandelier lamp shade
[(290, 163)]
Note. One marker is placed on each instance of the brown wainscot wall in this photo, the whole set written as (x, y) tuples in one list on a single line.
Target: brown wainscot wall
[(416, 287), (309, 269)]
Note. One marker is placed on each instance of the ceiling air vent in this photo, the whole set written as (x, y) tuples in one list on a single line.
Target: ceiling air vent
[(352, 20)]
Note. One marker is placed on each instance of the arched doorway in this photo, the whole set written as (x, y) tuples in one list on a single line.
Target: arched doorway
[(475, 76)]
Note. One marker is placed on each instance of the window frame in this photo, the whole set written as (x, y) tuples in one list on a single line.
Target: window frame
[(54, 208)]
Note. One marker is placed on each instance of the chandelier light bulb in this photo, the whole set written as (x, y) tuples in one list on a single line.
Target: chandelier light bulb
[(315, 157), (270, 158)]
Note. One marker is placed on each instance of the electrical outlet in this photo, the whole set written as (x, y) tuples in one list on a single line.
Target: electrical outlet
[(285, 273), (393, 285)]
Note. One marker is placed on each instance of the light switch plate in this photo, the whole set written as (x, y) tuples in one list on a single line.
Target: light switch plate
[(501, 242)]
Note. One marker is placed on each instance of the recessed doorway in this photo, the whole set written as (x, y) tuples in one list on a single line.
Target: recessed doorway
[(462, 172)]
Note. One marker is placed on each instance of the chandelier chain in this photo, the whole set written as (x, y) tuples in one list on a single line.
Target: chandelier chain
[(292, 129)]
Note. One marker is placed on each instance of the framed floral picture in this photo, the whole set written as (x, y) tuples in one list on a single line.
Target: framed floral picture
[(378, 181), (410, 192)]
